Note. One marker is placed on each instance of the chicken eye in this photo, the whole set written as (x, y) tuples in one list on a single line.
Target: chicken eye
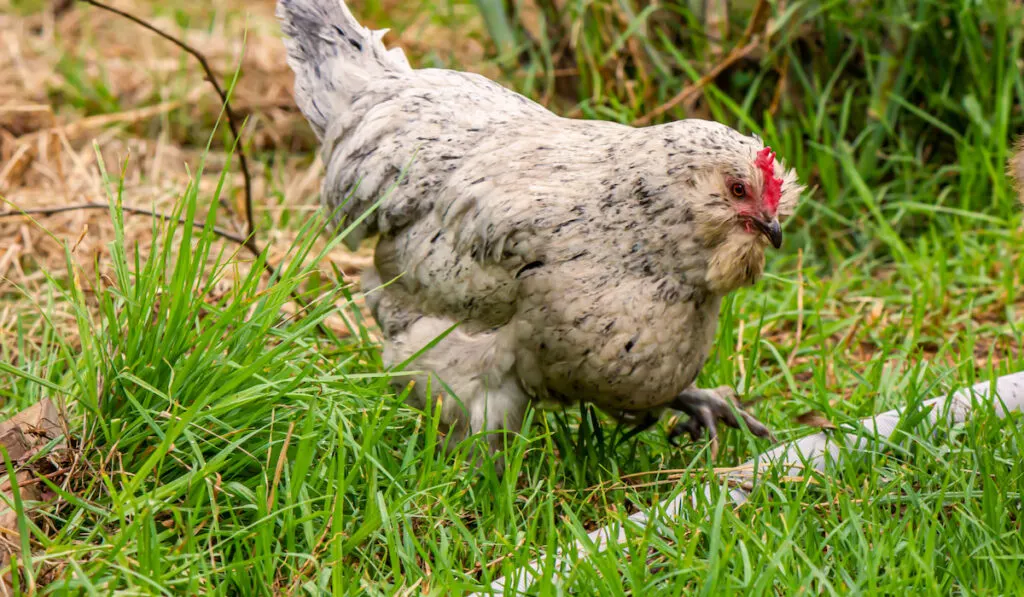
[(739, 189)]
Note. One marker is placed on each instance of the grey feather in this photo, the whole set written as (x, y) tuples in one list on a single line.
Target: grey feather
[(333, 57), (581, 260)]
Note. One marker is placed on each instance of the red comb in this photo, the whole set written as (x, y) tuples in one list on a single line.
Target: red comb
[(772, 192)]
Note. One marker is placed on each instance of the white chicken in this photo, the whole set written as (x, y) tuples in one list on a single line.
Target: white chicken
[(576, 260)]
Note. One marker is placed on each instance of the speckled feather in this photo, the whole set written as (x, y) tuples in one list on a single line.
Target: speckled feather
[(1015, 168), (582, 260)]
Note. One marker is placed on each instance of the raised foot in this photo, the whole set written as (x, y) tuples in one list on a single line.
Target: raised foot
[(705, 409)]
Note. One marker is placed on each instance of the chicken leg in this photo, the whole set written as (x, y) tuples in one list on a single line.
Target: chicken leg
[(705, 408)]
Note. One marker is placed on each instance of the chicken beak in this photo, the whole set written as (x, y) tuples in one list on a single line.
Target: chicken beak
[(771, 229)]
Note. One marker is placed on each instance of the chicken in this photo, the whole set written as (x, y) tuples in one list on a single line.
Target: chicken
[(560, 261), (1015, 168)]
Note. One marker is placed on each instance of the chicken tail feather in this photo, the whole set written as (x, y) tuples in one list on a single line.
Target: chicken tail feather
[(332, 55)]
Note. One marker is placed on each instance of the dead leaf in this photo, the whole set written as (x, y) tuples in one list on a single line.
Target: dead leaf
[(23, 435)]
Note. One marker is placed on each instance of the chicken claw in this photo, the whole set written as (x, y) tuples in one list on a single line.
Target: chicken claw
[(522, 257), (706, 408)]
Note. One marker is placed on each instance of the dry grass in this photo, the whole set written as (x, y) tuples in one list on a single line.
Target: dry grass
[(165, 111), (73, 78)]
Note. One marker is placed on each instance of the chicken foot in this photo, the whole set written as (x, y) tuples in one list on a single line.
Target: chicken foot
[(706, 408)]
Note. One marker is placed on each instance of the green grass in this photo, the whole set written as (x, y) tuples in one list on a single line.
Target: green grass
[(229, 449)]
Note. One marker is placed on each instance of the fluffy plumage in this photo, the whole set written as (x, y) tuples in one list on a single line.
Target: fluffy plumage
[(1016, 168), (580, 260)]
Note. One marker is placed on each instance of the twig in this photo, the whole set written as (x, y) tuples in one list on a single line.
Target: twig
[(480, 566), (748, 42), (318, 549), (49, 211), (232, 119), (811, 453), (37, 479), (691, 90), (249, 242), (781, 86), (271, 271)]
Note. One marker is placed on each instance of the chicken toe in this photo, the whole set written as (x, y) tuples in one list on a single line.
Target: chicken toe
[(522, 257), (706, 408)]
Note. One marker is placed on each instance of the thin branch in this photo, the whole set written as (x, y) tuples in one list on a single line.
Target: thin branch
[(37, 479), (249, 242), (690, 91), (232, 119), (780, 87), (244, 242), (49, 211), (752, 37)]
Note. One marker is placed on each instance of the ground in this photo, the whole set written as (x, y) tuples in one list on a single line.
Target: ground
[(224, 440)]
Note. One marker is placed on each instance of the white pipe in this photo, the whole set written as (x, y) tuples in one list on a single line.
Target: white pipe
[(813, 451)]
